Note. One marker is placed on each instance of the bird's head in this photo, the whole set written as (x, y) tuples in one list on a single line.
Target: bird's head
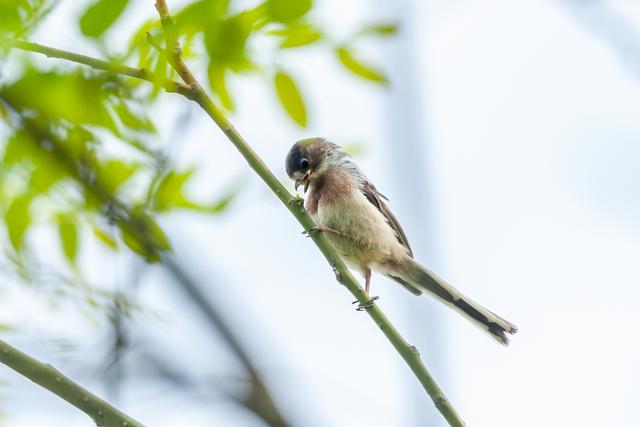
[(309, 158)]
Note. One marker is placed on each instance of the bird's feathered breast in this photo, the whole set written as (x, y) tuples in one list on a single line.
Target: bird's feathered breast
[(342, 198), (331, 186)]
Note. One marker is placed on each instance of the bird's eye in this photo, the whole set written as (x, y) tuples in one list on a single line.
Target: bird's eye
[(304, 163)]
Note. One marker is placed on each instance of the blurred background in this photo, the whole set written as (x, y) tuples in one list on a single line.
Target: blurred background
[(505, 134)]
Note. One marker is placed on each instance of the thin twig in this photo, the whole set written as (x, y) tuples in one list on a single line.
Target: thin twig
[(53, 380), (173, 49), (98, 64), (258, 399)]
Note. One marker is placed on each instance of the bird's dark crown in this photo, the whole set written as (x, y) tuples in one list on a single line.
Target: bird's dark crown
[(305, 155)]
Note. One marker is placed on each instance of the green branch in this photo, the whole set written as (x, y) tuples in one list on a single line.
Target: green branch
[(408, 352), (192, 90), (53, 380), (98, 64)]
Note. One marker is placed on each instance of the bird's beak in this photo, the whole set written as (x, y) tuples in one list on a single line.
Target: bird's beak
[(303, 181)]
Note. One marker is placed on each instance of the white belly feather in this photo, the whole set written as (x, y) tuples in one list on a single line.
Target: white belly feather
[(367, 236)]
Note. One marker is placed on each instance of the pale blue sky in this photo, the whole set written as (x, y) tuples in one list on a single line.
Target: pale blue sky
[(531, 137)]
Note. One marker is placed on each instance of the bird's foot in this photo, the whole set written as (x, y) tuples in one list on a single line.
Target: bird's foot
[(366, 305), (297, 201), (320, 229)]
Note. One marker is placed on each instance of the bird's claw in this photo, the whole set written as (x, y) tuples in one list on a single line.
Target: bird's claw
[(367, 305), (296, 200), (317, 229)]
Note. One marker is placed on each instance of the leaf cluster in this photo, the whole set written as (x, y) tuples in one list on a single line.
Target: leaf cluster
[(57, 162), (228, 40), (56, 171)]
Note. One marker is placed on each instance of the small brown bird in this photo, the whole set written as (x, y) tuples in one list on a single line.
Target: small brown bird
[(346, 206)]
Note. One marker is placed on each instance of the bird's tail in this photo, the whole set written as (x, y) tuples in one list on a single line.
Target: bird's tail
[(424, 279)]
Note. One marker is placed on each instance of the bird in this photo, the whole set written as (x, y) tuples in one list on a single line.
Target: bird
[(354, 216)]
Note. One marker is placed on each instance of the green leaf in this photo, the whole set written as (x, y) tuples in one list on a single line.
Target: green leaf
[(222, 203), (4, 114), (290, 98), (105, 238), (170, 192), (226, 42), (155, 234), (388, 29), (139, 38), (288, 10), (99, 17), (144, 236), (10, 20), (159, 74), (46, 173), (80, 144), (18, 219), (219, 205), (218, 83), (355, 66), (21, 17), (115, 173), (131, 240), (68, 232), (198, 15), (133, 120), (19, 147), (78, 98), (297, 34)]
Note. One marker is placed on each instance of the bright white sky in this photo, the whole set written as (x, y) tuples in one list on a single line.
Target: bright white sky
[(532, 135)]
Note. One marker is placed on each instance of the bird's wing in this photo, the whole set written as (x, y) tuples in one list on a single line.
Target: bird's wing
[(375, 197)]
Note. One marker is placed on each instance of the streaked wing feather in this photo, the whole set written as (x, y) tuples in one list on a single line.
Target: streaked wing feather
[(375, 197)]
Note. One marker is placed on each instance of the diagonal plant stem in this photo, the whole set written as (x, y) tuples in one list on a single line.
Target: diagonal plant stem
[(192, 90), (98, 64), (408, 352), (258, 399), (53, 380)]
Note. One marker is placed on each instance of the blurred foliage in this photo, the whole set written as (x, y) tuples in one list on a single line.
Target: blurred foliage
[(214, 30), (357, 67), (60, 128), (20, 17), (57, 169), (290, 97), (100, 16)]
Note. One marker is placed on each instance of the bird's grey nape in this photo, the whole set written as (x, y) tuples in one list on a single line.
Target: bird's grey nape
[(336, 157)]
